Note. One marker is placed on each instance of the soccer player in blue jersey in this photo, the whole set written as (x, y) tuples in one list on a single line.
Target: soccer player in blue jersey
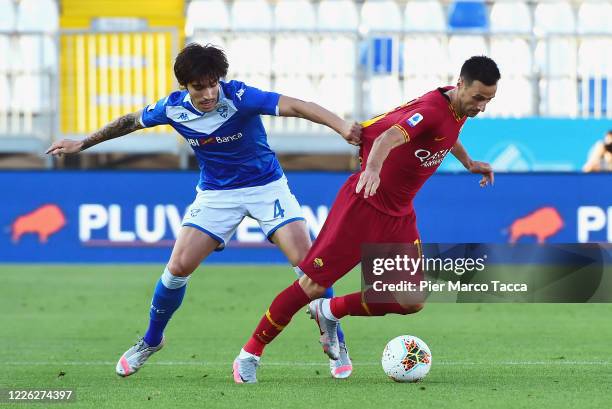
[(239, 176)]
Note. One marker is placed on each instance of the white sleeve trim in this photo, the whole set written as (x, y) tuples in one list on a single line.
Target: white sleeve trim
[(140, 120)]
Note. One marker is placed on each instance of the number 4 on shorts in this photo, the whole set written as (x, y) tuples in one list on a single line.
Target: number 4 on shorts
[(278, 210)]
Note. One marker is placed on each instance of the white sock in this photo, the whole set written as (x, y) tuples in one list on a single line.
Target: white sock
[(244, 354), (173, 282), (326, 310)]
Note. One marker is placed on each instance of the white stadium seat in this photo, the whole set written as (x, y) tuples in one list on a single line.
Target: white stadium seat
[(381, 15), (294, 15), (250, 54), (510, 17), (460, 48), (293, 54), (556, 57), (336, 55), (38, 16), (595, 17), (554, 17), (424, 16), (514, 98), (251, 15), (385, 94), (337, 15), (425, 56), (560, 97), (7, 15), (207, 15), (513, 56), (337, 93)]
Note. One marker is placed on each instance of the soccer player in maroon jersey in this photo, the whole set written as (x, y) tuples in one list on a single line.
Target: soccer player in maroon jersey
[(400, 150)]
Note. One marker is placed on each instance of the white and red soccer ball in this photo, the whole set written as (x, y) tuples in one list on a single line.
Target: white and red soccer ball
[(406, 359)]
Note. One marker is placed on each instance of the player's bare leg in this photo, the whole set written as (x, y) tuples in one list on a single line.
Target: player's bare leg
[(191, 248), (294, 240)]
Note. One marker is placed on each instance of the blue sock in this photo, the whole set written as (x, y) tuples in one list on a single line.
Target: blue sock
[(329, 293), (169, 293)]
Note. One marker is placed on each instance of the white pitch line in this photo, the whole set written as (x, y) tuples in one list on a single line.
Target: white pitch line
[(306, 364)]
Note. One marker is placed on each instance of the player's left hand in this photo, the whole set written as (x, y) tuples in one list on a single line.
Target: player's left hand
[(368, 181), (352, 133), (485, 170)]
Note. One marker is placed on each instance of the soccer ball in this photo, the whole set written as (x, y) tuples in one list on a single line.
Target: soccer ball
[(406, 359)]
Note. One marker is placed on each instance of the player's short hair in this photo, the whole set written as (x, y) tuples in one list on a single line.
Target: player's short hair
[(480, 68), (196, 62)]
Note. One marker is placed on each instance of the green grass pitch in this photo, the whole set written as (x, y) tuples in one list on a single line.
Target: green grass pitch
[(66, 326)]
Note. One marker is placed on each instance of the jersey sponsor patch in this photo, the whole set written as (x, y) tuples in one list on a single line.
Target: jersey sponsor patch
[(414, 120)]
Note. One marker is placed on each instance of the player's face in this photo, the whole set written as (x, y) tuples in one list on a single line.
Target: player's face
[(475, 97), (204, 94)]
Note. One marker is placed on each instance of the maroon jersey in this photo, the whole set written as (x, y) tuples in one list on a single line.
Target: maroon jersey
[(431, 128)]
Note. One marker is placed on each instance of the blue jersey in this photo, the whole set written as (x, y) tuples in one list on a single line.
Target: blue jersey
[(229, 142)]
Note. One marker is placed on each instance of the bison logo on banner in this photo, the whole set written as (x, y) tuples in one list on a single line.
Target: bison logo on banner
[(542, 223), (44, 221)]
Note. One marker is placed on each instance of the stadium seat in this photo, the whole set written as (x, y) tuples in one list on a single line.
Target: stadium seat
[(510, 17), (595, 17), (207, 15), (591, 59), (250, 54), (337, 15), (7, 15), (463, 47), (513, 56), (35, 54), (560, 98), (384, 15), (5, 49), (293, 54), (251, 15), (425, 15), (336, 55), (385, 94), (294, 15), (514, 98), (37, 16), (337, 93), (556, 57), (468, 15), (554, 17), (425, 56), (30, 97)]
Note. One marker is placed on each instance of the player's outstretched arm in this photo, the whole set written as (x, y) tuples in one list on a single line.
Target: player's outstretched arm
[(474, 166), (119, 127), (293, 107), (370, 177)]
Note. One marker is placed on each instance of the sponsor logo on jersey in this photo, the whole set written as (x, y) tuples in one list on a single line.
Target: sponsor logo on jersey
[(214, 139), (317, 263), (429, 159), (183, 116), (414, 120), (240, 93)]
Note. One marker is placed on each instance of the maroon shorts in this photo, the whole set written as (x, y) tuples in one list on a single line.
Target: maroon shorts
[(351, 223)]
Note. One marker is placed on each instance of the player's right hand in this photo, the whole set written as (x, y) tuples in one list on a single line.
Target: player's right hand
[(352, 133), (65, 146), (368, 181)]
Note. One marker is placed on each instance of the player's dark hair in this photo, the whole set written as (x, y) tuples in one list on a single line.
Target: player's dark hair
[(480, 68), (196, 62)]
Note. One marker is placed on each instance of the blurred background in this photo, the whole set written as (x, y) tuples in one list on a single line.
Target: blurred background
[(68, 67)]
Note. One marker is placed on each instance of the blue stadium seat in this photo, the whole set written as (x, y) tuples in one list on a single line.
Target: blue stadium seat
[(468, 15)]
